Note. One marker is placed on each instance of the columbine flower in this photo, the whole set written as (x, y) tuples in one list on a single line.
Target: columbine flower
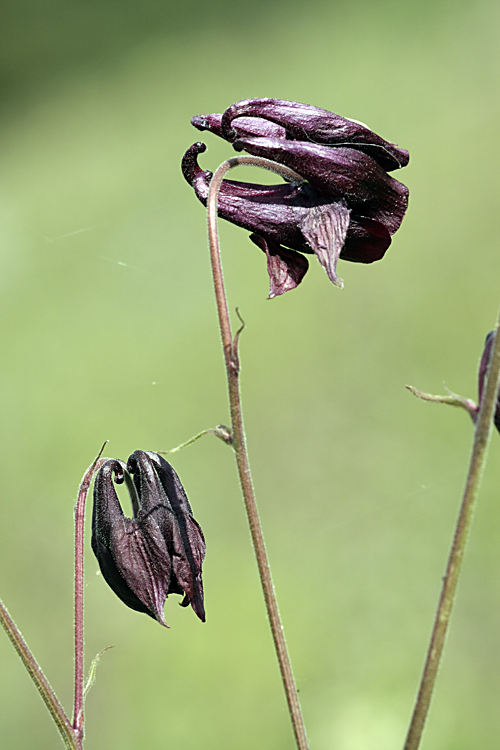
[(161, 549), (483, 368), (347, 205)]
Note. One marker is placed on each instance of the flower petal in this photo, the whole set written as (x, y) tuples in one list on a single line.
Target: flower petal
[(271, 211), (341, 173), (484, 363), (127, 561), (305, 122), (243, 126), (188, 543), (187, 567), (275, 213), (325, 229), (143, 561), (286, 268), (366, 240)]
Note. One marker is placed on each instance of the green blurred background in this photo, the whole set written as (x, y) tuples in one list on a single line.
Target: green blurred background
[(109, 332)]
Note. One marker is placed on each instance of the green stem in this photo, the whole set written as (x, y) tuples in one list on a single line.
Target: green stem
[(482, 436), (71, 741), (230, 347)]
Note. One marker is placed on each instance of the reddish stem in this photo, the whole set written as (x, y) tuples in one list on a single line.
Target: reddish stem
[(78, 717)]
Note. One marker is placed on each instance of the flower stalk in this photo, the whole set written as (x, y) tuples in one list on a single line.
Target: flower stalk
[(230, 347), (477, 463), (78, 717), (71, 732)]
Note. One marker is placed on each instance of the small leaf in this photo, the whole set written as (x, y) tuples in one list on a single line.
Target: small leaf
[(92, 671)]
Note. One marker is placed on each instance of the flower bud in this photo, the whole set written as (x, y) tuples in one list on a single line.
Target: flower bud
[(157, 552)]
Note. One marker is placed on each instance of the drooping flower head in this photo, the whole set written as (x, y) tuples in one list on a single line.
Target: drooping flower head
[(157, 552), (346, 205)]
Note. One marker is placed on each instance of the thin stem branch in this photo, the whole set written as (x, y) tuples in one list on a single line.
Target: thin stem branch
[(476, 467), (452, 399), (78, 716), (71, 741), (230, 347), (221, 431)]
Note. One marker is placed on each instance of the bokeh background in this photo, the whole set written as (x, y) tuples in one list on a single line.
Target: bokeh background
[(108, 331)]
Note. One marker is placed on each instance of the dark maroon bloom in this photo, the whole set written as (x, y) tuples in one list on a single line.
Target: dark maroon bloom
[(157, 552), (346, 206), (483, 369)]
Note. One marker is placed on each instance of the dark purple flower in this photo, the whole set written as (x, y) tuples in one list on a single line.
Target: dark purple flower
[(157, 552), (346, 206), (483, 368)]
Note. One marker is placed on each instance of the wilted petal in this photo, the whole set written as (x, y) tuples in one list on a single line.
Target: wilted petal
[(308, 123), (325, 230), (243, 126), (286, 268), (341, 173)]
